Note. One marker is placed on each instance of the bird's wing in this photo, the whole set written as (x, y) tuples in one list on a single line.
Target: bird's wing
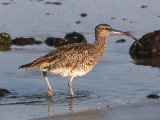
[(65, 56)]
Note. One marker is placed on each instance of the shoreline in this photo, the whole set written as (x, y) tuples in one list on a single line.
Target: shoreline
[(148, 110)]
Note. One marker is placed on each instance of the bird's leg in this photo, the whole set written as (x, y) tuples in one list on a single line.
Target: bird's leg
[(70, 86), (48, 84)]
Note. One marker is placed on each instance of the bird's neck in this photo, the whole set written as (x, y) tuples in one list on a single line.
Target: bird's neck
[(100, 41)]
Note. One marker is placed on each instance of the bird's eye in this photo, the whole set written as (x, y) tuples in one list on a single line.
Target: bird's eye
[(107, 28)]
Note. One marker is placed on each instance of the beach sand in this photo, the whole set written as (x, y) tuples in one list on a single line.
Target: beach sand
[(140, 111)]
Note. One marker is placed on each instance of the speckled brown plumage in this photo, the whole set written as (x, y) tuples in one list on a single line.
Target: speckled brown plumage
[(74, 59)]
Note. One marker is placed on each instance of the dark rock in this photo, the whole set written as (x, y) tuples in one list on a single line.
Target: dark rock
[(78, 22), (5, 3), (47, 13), (75, 37), (124, 19), (25, 41), (56, 42), (83, 14), (113, 18), (5, 42), (150, 45), (148, 53), (132, 21), (4, 48), (5, 39), (144, 6), (39, 0), (153, 96), (55, 3), (69, 38), (120, 41), (3, 92)]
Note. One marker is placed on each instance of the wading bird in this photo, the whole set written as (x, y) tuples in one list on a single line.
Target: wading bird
[(74, 60)]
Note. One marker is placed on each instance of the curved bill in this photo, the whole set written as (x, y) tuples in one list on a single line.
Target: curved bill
[(125, 33)]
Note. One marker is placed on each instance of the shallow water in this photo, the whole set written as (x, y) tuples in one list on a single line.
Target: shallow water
[(115, 80)]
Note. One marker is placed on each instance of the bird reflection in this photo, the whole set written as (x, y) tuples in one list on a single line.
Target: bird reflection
[(50, 106), (71, 105), (50, 102)]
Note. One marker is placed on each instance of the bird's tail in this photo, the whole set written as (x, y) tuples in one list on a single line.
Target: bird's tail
[(25, 66)]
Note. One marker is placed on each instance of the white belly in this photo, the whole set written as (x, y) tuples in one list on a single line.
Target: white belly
[(67, 72)]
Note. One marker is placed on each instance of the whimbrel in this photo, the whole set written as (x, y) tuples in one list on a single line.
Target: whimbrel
[(74, 60)]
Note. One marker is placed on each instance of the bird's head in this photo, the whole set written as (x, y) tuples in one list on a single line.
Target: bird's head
[(107, 30)]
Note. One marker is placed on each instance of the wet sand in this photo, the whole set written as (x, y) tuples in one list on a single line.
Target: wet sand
[(139, 111)]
